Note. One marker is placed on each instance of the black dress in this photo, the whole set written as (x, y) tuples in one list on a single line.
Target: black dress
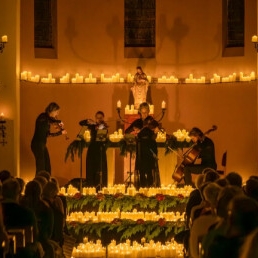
[(96, 158), (146, 152), (206, 151), (39, 141)]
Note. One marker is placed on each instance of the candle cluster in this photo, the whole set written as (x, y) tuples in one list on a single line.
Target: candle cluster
[(151, 249), (247, 78), (171, 79), (115, 189), (116, 136), (161, 137), (48, 79), (129, 110), (113, 78), (172, 190), (86, 135), (191, 79), (135, 215), (182, 135), (89, 249), (71, 190), (27, 76)]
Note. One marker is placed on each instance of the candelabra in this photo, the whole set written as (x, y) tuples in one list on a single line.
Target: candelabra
[(2, 43), (2, 131), (254, 40)]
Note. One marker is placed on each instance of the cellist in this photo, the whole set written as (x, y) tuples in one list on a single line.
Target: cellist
[(205, 150)]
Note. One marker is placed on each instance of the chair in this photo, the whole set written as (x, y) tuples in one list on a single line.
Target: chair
[(223, 164), (23, 235)]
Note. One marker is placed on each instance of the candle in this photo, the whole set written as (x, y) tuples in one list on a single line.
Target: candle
[(2, 117), (118, 104), (5, 39), (163, 104), (254, 38)]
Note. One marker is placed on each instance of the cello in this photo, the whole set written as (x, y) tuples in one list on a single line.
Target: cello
[(188, 158)]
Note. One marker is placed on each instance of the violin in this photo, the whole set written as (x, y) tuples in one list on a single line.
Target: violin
[(57, 125), (189, 157)]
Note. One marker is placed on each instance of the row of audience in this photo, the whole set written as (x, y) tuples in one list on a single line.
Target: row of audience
[(221, 217), (35, 205)]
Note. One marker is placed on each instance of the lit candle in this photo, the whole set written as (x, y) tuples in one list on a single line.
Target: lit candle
[(2, 117), (118, 104), (163, 104), (254, 38), (5, 39)]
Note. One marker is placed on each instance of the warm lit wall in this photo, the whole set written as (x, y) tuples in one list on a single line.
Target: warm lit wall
[(229, 106), (91, 39), (9, 85)]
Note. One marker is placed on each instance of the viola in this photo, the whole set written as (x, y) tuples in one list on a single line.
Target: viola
[(56, 125), (189, 157)]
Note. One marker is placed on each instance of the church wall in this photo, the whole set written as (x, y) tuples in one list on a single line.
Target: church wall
[(188, 40)]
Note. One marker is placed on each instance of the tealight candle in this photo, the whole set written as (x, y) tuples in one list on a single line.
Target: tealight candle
[(254, 38), (5, 39)]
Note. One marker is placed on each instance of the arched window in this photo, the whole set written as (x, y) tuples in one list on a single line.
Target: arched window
[(139, 28), (45, 28), (234, 24)]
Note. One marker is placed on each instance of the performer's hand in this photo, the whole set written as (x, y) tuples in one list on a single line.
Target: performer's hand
[(64, 132)]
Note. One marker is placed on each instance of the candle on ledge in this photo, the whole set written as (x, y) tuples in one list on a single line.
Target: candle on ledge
[(5, 39), (2, 117), (118, 104), (254, 38), (163, 104)]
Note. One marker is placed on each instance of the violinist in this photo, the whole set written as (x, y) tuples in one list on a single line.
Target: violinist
[(96, 158), (205, 155), (42, 131), (146, 146)]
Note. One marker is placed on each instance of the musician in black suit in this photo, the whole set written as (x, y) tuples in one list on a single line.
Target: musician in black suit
[(96, 159), (42, 132), (146, 146), (205, 152)]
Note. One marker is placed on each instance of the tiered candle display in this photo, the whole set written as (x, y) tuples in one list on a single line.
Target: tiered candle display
[(128, 250), (89, 249)]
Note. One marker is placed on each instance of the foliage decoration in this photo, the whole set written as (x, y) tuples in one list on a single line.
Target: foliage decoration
[(111, 203), (173, 144), (121, 230)]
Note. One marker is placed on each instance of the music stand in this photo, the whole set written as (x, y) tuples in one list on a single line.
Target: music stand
[(80, 137), (101, 137), (130, 142)]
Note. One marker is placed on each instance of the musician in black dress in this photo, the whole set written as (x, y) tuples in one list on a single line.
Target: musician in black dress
[(42, 131), (96, 158), (204, 146), (146, 146)]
